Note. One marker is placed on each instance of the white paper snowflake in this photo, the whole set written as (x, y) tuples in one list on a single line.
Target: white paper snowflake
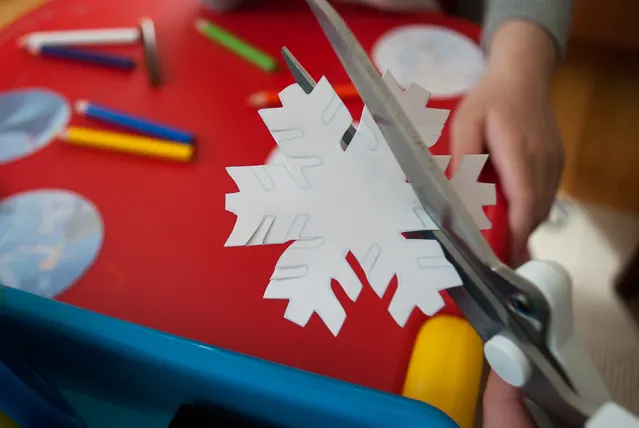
[(331, 201)]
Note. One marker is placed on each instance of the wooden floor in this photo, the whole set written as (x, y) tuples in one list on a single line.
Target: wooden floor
[(10, 9), (596, 97)]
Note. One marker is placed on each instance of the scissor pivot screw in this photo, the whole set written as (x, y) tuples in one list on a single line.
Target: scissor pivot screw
[(520, 303)]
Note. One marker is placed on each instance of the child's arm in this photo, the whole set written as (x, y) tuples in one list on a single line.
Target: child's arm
[(509, 112), (552, 16)]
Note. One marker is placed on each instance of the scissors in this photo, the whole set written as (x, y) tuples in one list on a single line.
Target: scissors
[(524, 317)]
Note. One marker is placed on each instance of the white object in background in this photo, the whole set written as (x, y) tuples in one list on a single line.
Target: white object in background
[(559, 213), (112, 36), (331, 201), (444, 62), (612, 415)]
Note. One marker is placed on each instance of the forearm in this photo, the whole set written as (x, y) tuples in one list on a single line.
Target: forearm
[(522, 54), (551, 16)]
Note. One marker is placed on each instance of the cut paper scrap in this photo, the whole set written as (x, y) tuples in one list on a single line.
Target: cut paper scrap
[(332, 201), (29, 120), (48, 239), (443, 61)]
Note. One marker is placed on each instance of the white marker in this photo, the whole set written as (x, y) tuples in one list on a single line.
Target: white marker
[(113, 36)]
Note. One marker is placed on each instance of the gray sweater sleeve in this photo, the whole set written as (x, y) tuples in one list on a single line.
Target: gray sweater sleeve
[(553, 16)]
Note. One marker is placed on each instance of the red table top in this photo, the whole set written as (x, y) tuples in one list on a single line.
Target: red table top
[(163, 263)]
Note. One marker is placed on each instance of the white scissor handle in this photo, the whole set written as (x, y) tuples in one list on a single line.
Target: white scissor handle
[(555, 284), (512, 365)]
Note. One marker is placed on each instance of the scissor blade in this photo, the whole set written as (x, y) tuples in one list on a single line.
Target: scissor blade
[(307, 83), (432, 188), (488, 284), (301, 76), (490, 281)]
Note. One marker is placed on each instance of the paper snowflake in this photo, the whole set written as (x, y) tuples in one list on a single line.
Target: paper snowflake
[(331, 201)]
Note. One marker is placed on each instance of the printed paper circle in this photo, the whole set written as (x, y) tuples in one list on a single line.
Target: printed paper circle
[(440, 60), (48, 239), (29, 120)]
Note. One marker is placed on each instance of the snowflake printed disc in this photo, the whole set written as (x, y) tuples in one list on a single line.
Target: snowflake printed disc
[(332, 201)]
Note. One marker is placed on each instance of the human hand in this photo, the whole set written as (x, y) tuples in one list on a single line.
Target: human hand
[(509, 114), (503, 405)]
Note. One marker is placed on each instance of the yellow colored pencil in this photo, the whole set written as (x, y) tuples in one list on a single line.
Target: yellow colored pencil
[(127, 143)]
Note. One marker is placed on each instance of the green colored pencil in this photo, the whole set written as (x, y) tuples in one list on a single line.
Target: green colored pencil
[(236, 45)]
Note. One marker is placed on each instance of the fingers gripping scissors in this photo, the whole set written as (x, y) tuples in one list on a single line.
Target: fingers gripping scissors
[(524, 317)]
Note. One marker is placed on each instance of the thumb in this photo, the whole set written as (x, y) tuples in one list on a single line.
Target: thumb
[(503, 405), (467, 133)]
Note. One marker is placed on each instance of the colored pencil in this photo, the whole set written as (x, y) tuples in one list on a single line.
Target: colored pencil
[(236, 45), (271, 98), (112, 36), (126, 143), (96, 58), (151, 52), (138, 124)]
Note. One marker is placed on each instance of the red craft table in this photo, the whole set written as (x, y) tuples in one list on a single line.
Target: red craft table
[(163, 263)]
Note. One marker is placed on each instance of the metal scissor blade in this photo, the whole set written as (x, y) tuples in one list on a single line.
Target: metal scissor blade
[(488, 284), (301, 76), (307, 83), (433, 190), (458, 233)]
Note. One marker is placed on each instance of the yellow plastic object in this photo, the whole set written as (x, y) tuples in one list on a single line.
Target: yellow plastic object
[(445, 368), (7, 422), (128, 143)]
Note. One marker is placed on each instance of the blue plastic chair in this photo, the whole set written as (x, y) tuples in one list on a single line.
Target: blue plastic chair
[(118, 374)]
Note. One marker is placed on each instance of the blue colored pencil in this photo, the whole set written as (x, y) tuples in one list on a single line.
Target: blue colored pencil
[(97, 58), (137, 124)]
